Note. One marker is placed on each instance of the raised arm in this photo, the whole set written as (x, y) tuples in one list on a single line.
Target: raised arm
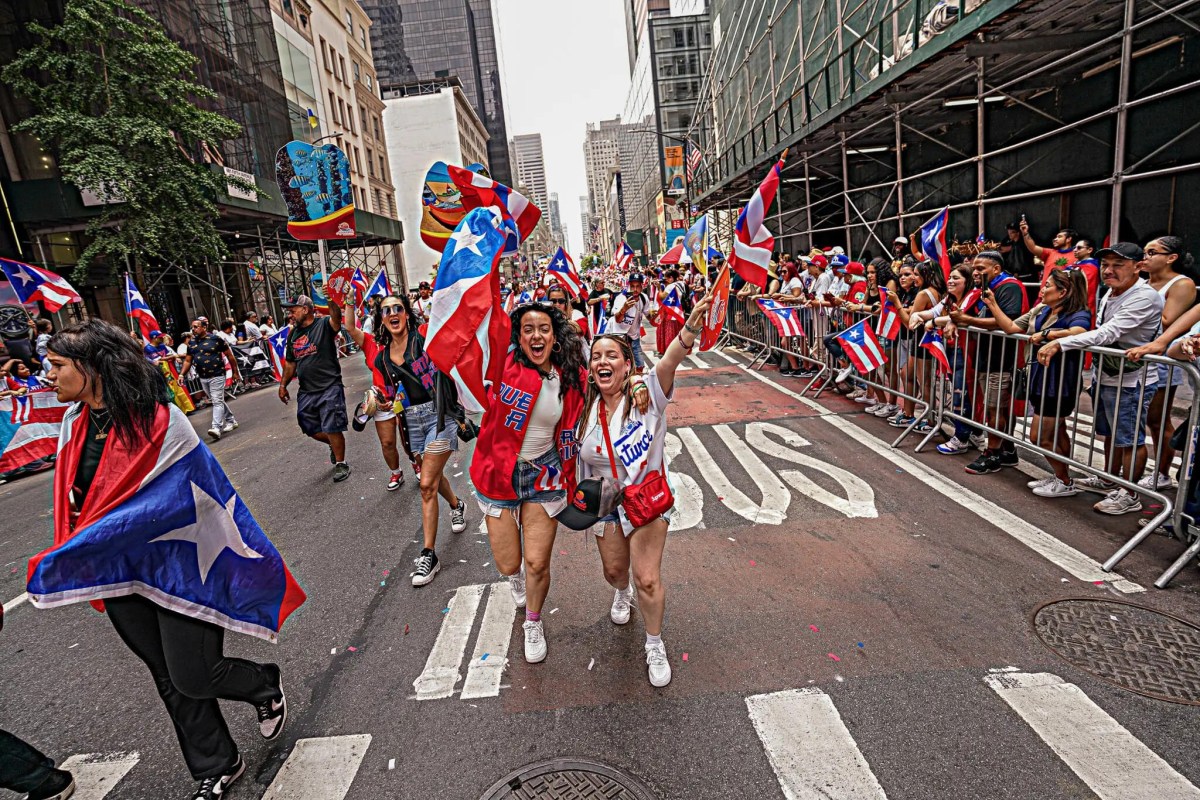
[(665, 369), (352, 328)]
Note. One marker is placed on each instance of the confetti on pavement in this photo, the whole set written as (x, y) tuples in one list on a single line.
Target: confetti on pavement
[(591, 664), (814, 629), (391, 761), (685, 656), (831, 655)]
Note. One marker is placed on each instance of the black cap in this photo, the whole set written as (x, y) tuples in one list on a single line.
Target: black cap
[(637, 276), (595, 498), (1127, 250)]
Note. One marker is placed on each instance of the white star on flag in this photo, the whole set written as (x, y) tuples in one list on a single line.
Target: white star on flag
[(213, 532), (464, 237), (24, 276)]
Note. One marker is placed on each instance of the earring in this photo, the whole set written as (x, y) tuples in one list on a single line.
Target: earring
[(556, 348), (591, 378)]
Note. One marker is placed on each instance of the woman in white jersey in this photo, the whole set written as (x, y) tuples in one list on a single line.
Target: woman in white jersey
[(638, 439)]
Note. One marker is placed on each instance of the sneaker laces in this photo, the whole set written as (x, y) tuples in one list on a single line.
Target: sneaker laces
[(205, 790), (533, 631), (459, 512), (424, 563), (517, 581), (656, 655)]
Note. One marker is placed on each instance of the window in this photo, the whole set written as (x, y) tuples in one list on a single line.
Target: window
[(382, 168), (357, 161), (287, 8), (303, 21), (350, 22), (357, 70), (378, 204), (341, 116), (391, 206), (325, 55), (332, 108), (362, 36), (345, 76), (350, 117), (362, 116), (370, 163), (370, 81), (375, 125)]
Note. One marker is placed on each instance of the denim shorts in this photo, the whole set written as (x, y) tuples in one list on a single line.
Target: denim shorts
[(530, 485), (1131, 416), (1168, 377), (421, 422), (639, 360), (323, 411)]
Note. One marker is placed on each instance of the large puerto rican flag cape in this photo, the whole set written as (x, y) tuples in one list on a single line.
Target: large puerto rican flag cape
[(31, 283), (29, 427), (933, 239), (786, 319), (480, 191), (468, 333), (136, 308), (161, 520), (562, 269), (752, 242), (862, 347)]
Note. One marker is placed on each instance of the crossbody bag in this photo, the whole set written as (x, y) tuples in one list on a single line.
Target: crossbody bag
[(646, 500)]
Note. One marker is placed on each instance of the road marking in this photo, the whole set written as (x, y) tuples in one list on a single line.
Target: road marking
[(813, 754), (688, 511), (695, 359), (1108, 758), (491, 648), (16, 601), (320, 769), (440, 675), (96, 774), (1057, 552), (775, 494), (860, 497)]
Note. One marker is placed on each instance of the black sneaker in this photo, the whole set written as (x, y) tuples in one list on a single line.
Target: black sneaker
[(273, 713), (985, 464), (59, 786), (458, 517), (1009, 458), (341, 471), (427, 567), (214, 788)]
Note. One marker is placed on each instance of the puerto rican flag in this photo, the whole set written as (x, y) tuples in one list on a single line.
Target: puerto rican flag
[(468, 333), (862, 347), (162, 521), (786, 319), (672, 305), (480, 191), (622, 258), (136, 308), (278, 344), (562, 268), (889, 321), (31, 283), (359, 282), (753, 242), (381, 286), (29, 427), (932, 341), (971, 299), (933, 239)]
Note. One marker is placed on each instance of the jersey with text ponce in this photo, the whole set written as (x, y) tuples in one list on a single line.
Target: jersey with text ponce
[(314, 352)]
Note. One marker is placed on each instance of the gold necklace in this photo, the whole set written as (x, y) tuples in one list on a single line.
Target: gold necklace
[(103, 422)]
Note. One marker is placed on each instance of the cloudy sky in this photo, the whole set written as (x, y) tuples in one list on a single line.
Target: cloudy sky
[(564, 64)]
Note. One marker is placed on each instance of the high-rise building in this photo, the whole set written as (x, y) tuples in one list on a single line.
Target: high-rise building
[(529, 166), (432, 39), (585, 226), (600, 157), (556, 226)]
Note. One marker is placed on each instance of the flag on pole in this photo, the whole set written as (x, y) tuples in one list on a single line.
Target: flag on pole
[(480, 191), (136, 308), (359, 282), (862, 347), (933, 239), (714, 319), (31, 283), (622, 258), (468, 333), (562, 268), (696, 242), (694, 156), (278, 344), (786, 319), (753, 242), (672, 305), (889, 321), (381, 286), (932, 341)]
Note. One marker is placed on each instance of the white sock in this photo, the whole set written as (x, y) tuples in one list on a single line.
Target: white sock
[(627, 591), (653, 640)]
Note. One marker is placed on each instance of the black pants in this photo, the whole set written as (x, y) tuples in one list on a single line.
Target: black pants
[(22, 767), (191, 673)]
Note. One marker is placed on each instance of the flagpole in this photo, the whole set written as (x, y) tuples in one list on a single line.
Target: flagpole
[(125, 295), (321, 258)]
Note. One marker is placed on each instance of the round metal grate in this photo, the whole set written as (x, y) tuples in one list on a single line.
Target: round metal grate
[(1130, 646), (568, 779)]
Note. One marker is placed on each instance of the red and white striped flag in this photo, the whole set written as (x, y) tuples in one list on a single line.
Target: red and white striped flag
[(862, 347), (752, 243), (889, 321)]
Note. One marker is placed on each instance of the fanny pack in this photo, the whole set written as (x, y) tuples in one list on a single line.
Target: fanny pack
[(647, 500)]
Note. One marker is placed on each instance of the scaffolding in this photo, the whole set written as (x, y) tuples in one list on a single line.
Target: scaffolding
[(1071, 112)]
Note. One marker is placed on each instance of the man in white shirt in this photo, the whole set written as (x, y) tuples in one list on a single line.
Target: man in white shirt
[(253, 331), (629, 308), (1129, 315), (423, 305)]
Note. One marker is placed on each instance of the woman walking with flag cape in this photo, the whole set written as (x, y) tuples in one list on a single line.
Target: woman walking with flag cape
[(146, 521)]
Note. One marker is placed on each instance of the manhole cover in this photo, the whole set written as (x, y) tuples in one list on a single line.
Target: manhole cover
[(1129, 646), (568, 779)]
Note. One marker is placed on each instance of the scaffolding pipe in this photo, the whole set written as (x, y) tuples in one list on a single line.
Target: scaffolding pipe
[(980, 144), (1114, 219), (846, 190), (899, 174)]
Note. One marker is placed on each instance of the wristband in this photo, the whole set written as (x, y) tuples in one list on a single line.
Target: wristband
[(691, 330)]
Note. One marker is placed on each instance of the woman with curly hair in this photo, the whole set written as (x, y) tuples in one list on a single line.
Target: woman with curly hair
[(523, 469)]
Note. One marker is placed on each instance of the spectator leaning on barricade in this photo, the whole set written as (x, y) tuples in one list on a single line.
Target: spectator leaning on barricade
[(1061, 253), (995, 360), (791, 294), (930, 285), (1130, 315), (958, 285), (1053, 388)]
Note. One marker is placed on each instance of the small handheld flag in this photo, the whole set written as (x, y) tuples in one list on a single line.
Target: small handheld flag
[(136, 308), (31, 283), (562, 268), (672, 305), (753, 242), (889, 321), (381, 287), (622, 258), (696, 242), (714, 320), (862, 347), (932, 341), (933, 239), (786, 319)]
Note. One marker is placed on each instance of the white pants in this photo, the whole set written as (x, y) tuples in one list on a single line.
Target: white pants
[(215, 389)]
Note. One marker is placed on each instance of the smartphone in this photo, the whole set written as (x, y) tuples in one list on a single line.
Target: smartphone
[(1022, 218)]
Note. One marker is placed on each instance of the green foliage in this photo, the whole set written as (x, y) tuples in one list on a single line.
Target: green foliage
[(591, 261), (114, 99)]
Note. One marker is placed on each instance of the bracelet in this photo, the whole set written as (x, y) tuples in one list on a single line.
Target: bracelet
[(687, 348), (691, 330), (638, 386)]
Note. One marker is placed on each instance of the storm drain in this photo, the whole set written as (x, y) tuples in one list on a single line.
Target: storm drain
[(1130, 646), (568, 779)]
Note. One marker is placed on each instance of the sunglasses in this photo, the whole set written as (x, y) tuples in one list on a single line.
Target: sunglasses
[(392, 309), (559, 302)]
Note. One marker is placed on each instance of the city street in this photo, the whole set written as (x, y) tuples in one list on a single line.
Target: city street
[(843, 620)]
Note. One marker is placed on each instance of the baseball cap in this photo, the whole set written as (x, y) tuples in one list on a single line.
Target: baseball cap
[(424, 285), (899, 240), (839, 260), (302, 300), (856, 268), (155, 334), (820, 261), (595, 498), (637, 276), (1127, 250)]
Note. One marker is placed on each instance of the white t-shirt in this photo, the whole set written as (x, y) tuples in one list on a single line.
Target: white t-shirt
[(228, 337), (253, 332), (267, 330), (639, 442), (547, 411), (794, 283), (822, 284), (630, 322)]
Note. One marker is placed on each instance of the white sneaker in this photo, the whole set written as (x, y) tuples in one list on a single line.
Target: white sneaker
[(865, 399), (1118, 502), (535, 642), (1033, 484), (214, 434), (657, 665), (978, 441), (622, 600), (871, 409), (230, 426), (953, 447), (516, 585), (1149, 481), (1090, 483), (1056, 488), (886, 410), (857, 393), (841, 378)]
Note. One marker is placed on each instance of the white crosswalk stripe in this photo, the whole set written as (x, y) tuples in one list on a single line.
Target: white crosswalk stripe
[(491, 648), (440, 675), (96, 774), (439, 679), (320, 769)]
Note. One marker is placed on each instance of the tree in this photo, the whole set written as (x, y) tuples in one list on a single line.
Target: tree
[(114, 99), (591, 260)]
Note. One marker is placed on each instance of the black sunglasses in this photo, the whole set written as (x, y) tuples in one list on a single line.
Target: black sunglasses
[(559, 302), (393, 309)]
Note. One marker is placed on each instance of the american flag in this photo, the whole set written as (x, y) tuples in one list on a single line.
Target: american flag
[(786, 319), (889, 321), (932, 341), (135, 307), (862, 347), (753, 242), (694, 157), (622, 258), (31, 283)]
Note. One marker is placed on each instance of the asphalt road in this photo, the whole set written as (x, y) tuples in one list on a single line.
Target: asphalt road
[(837, 615)]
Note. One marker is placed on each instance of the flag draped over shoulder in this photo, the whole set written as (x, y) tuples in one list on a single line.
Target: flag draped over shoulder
[(32, 283), (672, 305), (468, 332), (752, 241), (162, 520)]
